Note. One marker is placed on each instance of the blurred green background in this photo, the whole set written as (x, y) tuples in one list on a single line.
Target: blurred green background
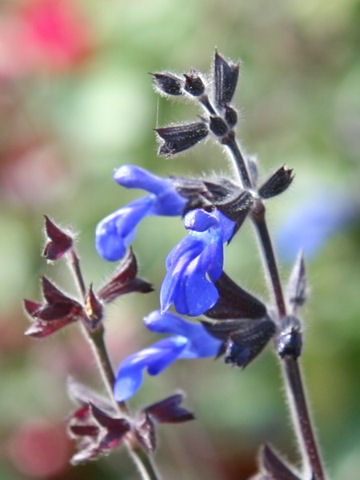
[(75, 102)]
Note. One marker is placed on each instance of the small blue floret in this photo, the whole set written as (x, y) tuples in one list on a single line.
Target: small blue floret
[(195, 263), (189, 341), (116, 231)]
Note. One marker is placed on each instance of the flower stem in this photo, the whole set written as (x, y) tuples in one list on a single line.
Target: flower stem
[(239, 160), (292, 373), (140, 457), (258, 217), (293, 380), (291, 369), (74, 264)]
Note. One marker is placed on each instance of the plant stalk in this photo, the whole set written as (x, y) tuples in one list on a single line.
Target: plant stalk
[(292, 373), (140, 457)]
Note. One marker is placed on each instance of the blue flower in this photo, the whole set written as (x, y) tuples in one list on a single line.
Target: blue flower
[(116, 231), (195, 263), (311, 225), (190, 341)]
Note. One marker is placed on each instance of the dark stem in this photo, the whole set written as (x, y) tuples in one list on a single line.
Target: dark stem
[(240, 162), (141, 458), (292, 373), (75, 267), (258, 216), (296, 393), (97, 341), (205, 102)]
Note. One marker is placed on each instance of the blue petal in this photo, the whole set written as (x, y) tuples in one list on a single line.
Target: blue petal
[(117, 230), (212, 257), (200, 342), (170, 285), (196, 294), (189, 243), (199, 220), (155, 358), (169, 202), (168, 323), (131, 176), (227, 226)]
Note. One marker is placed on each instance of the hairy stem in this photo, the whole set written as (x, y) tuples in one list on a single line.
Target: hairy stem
[(142, 460), (292, 373), (258, 217), (230, 142), (74, 264)]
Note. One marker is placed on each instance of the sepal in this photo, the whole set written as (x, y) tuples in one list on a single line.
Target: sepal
[(57, 311), (124, 280), (181, 137), (194, 84), (168, 84), (218, 126), (165, 411), (59, 242), (273, 468), (231, 116), (93, 308), (169, 410), (234, 302), (225, 78), (243, 339), (277, 183), (96, 432), (296, 290), (289, 341)]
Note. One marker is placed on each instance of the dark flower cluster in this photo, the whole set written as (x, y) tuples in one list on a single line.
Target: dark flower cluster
[(58, 309), (98, 429)]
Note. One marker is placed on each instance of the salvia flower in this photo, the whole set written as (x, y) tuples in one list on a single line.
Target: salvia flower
[(195, 263), (116, 231), (189, 340)]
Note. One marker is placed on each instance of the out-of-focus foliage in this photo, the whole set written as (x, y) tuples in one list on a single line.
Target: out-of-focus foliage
[(75, 102)]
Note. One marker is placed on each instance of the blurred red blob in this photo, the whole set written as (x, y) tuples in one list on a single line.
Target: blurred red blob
[(48, 35), (40, 449), (31, 174)]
